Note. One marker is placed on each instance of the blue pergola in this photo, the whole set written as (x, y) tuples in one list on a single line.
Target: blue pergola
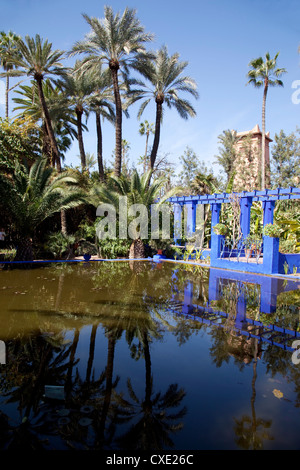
[(273, 261)]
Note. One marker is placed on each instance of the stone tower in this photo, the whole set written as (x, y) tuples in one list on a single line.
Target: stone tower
[(248, 159)]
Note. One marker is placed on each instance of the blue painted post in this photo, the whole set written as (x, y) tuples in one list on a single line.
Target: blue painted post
[(271, 255), (177, 224), (190, 223), (245, 204), (268, 208), (215, 239), (271, 245)]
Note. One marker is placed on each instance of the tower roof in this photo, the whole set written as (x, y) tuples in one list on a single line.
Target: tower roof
[(256, 130)]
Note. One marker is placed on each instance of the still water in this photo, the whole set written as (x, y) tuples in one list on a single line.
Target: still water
[(147, 356)]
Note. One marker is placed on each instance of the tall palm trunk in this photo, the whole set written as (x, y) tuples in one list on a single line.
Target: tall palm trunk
[(159, 101), (146, 151), (79, 113), (39, 79), (99, 147), (114, 67), (263, 145), (52, 138), (6, 96)]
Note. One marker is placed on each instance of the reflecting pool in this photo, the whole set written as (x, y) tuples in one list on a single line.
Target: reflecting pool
[(148, 356)]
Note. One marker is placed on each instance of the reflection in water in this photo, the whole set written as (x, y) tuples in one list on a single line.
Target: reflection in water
[(141, 351)]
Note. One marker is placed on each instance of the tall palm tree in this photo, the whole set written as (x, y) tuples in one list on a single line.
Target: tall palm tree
[(264, 73), (78, 88), (164, 73), (63, 122), (145, 129), (31, 196), (38, 60), (8, 52), (117, 40), (102, 106)]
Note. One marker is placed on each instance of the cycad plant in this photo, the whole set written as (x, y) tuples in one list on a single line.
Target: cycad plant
[(137, 190), (264, 73), (118, 41), (166, 83), (31, 196)]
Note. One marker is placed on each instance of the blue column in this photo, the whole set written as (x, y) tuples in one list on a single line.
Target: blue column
[(271, 255), (268, 208), (245, 205), (177, 223), (215, 239), (190, 223)]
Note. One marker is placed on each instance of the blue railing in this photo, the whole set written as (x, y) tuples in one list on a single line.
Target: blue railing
[(242, 249)]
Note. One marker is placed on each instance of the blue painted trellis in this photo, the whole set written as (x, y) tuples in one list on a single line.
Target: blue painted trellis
[(273, 261)]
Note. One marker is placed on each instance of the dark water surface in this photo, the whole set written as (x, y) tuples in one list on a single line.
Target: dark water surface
[(147, 356)]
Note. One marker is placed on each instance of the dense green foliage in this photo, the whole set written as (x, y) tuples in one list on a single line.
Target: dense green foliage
[(115, 70)]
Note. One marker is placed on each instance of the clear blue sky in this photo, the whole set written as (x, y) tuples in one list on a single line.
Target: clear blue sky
[(218, 38)]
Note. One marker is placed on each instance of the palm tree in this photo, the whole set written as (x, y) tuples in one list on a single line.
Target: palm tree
[(264, 73), (164, 73), (145, 129), (78, 88), (102, 106), (33, 195), (38, 60), (8, 52), (62, 119), (118, 41)]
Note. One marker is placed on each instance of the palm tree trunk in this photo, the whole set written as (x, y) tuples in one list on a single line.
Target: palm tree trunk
[(63, 222), (53, 142), (146, 151), (38, 79), (118, 151), (80, 138), (157, 133), (24, 250), (99, 147), (6, 96), (263, 145)]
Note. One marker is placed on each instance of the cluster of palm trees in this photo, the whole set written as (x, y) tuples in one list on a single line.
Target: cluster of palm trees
[(99, 82)]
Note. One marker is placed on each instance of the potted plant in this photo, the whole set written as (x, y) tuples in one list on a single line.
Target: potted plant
[(248, 246), (271, 230), (257, 245), (221, 229)]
